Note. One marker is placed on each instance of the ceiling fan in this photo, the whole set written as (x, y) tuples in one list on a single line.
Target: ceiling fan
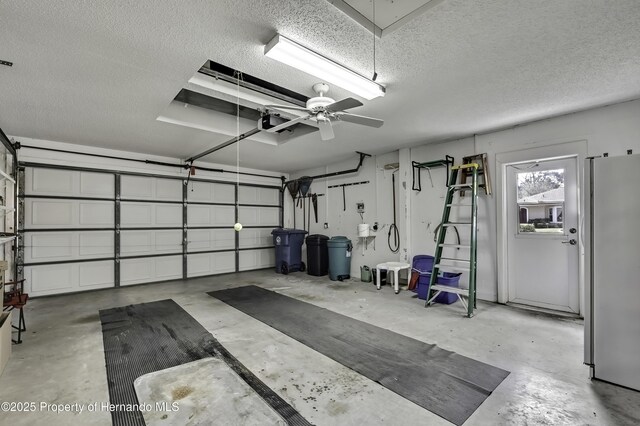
[(325, 111)]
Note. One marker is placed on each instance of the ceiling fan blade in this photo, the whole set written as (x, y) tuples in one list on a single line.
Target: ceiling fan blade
[(288, 124), (293, 108), (360, 119), (326, 131), (344, 104)]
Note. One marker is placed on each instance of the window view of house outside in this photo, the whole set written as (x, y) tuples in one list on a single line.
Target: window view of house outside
[(541, 201)]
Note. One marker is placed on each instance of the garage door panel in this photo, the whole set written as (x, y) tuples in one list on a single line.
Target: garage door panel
[(169, 189), (210, 239), (95, 244), (207, 192), (168, 215), (68, 183), (257, 259), (149, 215), (100, 185), (96, 213), (168, 241), (44, 280), (210, 263), (135, 242), (47, 213), (257, 195), (150, 188), (259, 216), (255, 238), (202, 215), (150, 269), (50, 182), (142, 243), (49, 279), (95, 275), (135, 214), (64, 246), (136, 187), (48, 247)]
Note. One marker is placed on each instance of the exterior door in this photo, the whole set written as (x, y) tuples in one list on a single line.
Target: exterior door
[(542, 228)]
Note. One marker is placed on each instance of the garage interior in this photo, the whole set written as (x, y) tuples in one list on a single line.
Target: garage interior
[(320, 212)]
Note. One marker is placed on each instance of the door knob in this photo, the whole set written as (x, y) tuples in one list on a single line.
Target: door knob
[(571, 241)]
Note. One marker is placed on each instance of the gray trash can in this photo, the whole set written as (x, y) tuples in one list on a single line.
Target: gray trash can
[(339, 258), (288, 244)]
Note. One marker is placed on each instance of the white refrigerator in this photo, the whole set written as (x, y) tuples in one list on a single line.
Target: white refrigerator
[(612, 244)]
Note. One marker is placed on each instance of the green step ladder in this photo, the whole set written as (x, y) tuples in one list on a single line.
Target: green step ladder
[(450, 263)]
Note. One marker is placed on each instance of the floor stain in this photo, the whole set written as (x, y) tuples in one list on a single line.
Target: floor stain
[(335, 408), (87, 319), (181, 392), (310, 298), (340, 286)]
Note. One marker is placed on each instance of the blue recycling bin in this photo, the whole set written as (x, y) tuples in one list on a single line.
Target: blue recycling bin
[(288, 244)]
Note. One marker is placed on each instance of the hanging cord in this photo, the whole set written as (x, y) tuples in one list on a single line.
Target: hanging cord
[(393, 228), (375, 74), (238, 225), (238, 78)]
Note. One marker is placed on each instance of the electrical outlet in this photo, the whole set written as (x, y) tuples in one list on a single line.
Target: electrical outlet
[(360, 207)]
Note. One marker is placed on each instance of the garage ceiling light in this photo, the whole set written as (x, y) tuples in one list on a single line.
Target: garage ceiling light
[(291, 53)]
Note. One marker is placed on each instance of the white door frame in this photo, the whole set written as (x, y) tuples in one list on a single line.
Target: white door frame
[(576, 149)]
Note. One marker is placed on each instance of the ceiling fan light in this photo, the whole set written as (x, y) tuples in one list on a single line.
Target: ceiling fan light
[(291, 53)]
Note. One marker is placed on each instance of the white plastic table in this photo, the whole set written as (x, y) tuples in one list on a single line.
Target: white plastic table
[(389, 267)]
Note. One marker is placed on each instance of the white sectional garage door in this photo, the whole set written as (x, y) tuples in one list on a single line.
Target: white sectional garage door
[(87, 229)]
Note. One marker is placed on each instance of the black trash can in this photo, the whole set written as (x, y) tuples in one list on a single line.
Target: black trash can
[(317, 255), (288, 244)]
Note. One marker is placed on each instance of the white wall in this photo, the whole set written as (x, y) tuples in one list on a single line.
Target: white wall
[(376, 195), (612, 129)]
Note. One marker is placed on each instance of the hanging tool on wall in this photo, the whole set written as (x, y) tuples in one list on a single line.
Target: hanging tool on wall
[(293, 187), (446, 162), (305, 185), (393, 228), (344, 194), (314, 201)]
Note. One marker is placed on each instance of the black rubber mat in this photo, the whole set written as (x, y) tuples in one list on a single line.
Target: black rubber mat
[(140, 339), (445, 383)]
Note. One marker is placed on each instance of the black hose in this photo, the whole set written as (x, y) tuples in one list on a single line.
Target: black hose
[(393, 228)]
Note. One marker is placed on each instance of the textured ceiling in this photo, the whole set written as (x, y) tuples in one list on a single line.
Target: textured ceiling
[(99, 73)]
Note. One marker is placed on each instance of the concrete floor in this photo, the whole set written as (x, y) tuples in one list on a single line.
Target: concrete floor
[(62, 362)]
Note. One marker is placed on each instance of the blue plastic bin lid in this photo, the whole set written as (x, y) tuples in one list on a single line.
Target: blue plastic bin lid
[(339, 241), (282, 231)]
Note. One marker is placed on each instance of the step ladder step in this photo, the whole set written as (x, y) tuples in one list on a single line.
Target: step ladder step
[(455, 260), (459, 246), (456, 223), (458, 205), (452, 267), (447, 289), (461, 185)]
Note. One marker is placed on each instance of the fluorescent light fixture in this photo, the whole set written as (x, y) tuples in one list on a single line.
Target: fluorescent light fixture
[(291, 53)]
